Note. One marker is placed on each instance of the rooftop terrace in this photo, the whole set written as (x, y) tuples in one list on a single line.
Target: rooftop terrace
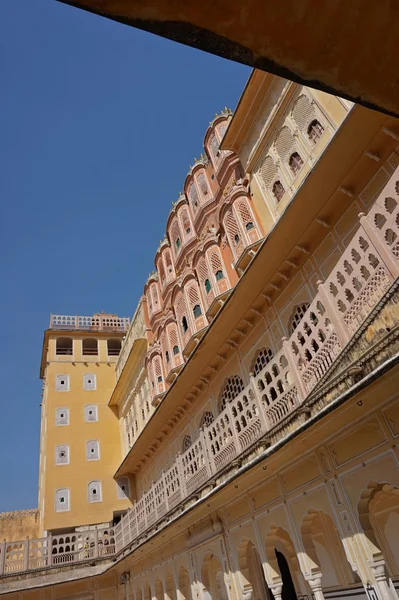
[(98, 322)]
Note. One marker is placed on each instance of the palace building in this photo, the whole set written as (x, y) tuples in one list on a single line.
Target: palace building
[(238, 437)]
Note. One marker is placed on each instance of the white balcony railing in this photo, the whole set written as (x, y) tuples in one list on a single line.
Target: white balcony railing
[(56, 550), (110, 323)]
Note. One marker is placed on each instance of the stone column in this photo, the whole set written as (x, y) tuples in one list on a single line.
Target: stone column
[(294, 371), (383, 588), (314, 581), (276, 589), (2, 557), (125, 578), (333, 314), (26, 554)]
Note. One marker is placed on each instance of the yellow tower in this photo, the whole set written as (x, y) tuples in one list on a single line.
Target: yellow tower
[(78, 450)]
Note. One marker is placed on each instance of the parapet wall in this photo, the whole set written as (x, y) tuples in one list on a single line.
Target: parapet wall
[(19, 524)]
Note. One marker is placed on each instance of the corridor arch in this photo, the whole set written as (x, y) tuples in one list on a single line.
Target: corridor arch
[(378, 510), (325, 549), (184, 584), (283, 562), (251, 570), (212, 578)]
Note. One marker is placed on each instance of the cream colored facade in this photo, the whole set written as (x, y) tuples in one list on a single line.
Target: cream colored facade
[(263, 463)]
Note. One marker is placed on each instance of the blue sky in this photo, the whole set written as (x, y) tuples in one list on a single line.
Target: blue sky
[(99, 123)]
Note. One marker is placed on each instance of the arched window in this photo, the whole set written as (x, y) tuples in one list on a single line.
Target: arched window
[(184, 324), (64, 346), (186, 443), (217, 265), (181, 315), (167, 356), (193, 196), (285, 143), (197, 311), (193, 297), (231, 389), (175, 236), (214, 147), (158, 369), (222, 130), (114, 347), (233, 233), (203, 186), (90, 347), (244, 214), (295, 162), (263, 357), (297, 315), (204, 275), (176, 350), (266, 172), (206, 419), (278, 190), (168, 261), (315, 131), (154, 294), (161, 271), (185, 222)]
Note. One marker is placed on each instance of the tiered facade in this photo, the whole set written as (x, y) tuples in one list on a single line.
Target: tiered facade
[(256, 387)]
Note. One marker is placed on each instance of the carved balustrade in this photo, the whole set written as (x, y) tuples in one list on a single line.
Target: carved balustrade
[(109, 323), (56, 550), (279, 387), (360, 279)]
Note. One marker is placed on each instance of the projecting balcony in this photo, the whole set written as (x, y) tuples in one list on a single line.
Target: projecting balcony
[(106, 323)]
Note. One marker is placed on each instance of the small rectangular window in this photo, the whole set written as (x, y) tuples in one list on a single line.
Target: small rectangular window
[(93, 450), (62, 416), (122, 488), (89, 382), (62, 383), (95, 491), (62, 455), (62, 500), (91, 413)]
